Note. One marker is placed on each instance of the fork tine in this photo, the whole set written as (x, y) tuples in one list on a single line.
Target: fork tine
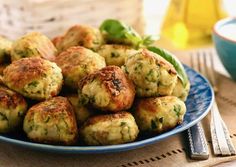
[(191, 60), (206, 70), (198, 59), (231, 145), (218, 132), (212, 73), (201, 61)]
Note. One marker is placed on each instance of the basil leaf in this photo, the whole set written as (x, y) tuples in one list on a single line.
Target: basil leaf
[(149, 40), (174, 61), (117, 32)]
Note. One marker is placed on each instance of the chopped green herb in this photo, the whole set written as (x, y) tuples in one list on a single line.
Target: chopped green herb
[(67, 126), (45, 132), (83, 100), (27, 52), (30, 128), (34, 83), (20, 114), (47, 120), (96, 42), (164, 103), (45, 75), (115, 54), (84, 67), (80, 43), (22, 53), (153, 124), (92, 99), (58, 128), (177, 109), (161, 120), (122, 123), (126, 69), (3, 116), (150, 76), (139, 66)]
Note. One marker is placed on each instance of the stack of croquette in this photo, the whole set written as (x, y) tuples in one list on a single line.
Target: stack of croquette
[(86, 88)]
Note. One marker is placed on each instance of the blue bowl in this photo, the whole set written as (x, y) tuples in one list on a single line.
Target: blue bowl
[(224, 38)]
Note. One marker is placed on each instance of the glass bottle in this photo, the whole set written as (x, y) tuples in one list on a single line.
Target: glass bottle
[(188, 23)]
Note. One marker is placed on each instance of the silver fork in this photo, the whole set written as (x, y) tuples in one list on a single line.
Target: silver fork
[(222, 145), (196, 136)]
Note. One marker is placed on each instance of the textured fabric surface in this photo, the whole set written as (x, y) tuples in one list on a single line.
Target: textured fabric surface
[(171, 152)]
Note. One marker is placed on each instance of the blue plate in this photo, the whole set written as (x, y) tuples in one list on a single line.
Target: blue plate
[(198, 105)]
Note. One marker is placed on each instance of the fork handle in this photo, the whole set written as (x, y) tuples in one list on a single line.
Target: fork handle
[(222, 145), (197, 142)]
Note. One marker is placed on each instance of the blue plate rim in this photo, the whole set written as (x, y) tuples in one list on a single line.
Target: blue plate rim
[(112, 148)]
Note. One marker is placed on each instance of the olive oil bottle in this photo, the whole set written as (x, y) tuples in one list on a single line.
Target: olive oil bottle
[(189, 23)]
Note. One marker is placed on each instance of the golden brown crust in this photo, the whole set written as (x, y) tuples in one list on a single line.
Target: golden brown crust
[(112, 77), (76, 62), (10, 99), (24, 70), (160, 61), (55, 108), (57, 40), (108, 117), (53, 105), (12, 110), (68, 60), (81, 35), (159, 114), (110, 129), (33, 44), (148, 104), (116, 54), (151, 74), (120, 88), (2, 68)]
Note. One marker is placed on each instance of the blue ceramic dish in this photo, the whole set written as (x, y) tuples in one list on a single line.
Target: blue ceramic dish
[(198, 105), (225, 43)]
